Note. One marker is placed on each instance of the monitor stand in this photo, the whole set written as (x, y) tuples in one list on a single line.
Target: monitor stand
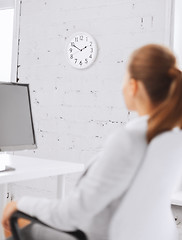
[(6, 169), (4, 162)]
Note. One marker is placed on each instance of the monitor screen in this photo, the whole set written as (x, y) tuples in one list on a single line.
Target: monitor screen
[(16, 123)]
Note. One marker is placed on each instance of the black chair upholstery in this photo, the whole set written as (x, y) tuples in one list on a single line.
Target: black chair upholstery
[(79, 235)]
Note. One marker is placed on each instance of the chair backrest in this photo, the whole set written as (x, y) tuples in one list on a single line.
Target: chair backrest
[(145, 210)]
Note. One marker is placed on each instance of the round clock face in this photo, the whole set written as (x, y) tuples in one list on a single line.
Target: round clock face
[(81, 50)]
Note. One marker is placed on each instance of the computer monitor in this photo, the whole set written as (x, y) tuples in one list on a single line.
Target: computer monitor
[(16, 122)]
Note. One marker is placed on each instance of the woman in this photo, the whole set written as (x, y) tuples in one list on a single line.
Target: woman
[(152, 88)]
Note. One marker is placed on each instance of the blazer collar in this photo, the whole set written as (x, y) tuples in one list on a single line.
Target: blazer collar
[(138, 123)]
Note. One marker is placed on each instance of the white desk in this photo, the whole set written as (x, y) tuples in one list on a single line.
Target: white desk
[(31, 168)]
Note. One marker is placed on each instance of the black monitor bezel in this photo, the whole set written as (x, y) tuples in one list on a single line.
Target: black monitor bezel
[(21, 147)]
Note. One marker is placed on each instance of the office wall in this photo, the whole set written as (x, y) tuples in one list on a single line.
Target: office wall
[(177, 39), (74, 110), (178, 32)]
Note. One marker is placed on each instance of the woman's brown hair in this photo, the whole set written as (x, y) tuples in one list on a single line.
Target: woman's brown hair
[(155, 67)]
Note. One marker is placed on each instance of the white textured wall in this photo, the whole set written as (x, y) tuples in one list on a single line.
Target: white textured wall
[(178, 32), (74, 110)]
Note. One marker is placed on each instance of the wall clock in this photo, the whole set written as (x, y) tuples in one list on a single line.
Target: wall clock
[(81, 50)]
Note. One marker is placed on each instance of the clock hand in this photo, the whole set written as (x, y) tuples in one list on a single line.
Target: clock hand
[(76, 47), (84, 48)]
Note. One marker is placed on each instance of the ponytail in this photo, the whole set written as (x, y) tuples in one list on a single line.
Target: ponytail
[(169, 113), (155, 66)]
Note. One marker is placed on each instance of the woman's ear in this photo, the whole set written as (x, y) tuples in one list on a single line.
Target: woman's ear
[(133, 87)]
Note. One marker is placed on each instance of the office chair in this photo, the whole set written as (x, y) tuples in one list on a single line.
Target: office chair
[(78, 234), (145, 211)]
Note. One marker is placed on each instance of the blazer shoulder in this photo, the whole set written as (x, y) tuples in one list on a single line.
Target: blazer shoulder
[(126, 139), (119, 138)]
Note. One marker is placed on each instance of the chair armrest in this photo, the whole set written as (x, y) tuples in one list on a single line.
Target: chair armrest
[(78, 234)]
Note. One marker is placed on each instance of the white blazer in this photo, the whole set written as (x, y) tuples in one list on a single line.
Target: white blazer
[(93, 202)]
